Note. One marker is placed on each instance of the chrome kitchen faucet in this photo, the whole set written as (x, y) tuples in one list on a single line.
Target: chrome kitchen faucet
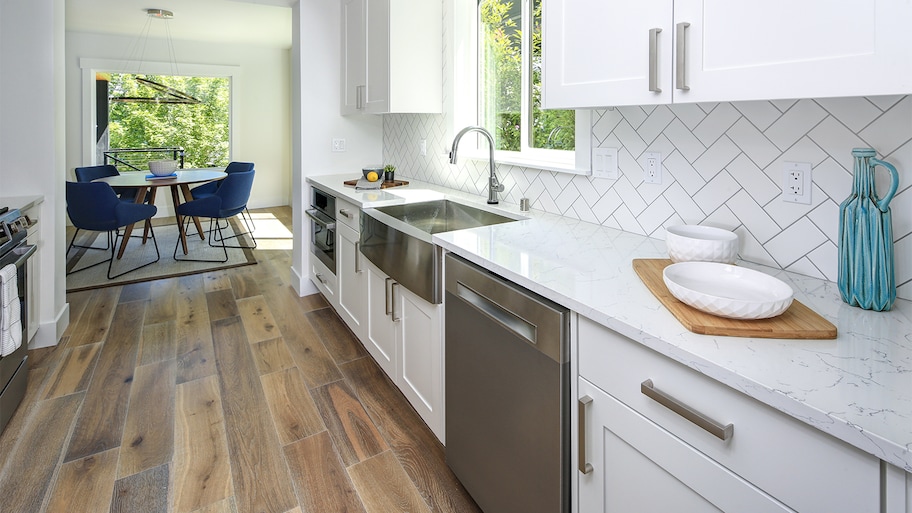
[(494, 186)]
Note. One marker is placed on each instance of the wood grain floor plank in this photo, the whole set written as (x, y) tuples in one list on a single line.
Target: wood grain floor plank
[(146, 491), (216, 280), (85, 484), (305, 346), (101, 420), (244, 283), (418, 450), (135, 292), (261, 480), (148, 435), (27, 471), (202, 470), (311, 302), (74, 373), (223, 506), (352, 430), (258, 322), (159, 342), (194, 336), (272, 356), (162, 301), (320, 479), (383, 486), (96, 317), (14, 429), (338, 339), (221, 304), (293, 411)]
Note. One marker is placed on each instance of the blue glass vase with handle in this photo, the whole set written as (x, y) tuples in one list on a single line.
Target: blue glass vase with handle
[(866, 238)]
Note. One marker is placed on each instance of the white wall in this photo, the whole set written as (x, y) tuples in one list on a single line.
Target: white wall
[(316, 63), (262, 125), (31, 138)]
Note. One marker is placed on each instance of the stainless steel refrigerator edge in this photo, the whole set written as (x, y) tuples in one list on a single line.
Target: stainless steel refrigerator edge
[(507, 392)]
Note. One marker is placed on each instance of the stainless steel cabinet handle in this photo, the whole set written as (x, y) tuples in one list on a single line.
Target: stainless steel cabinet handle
[(386, 293), (654, 60), (702, 421), (321, 278), (393, 288), (584, 467), (680, 56), (359, 97), (345, 212), (357, 258)]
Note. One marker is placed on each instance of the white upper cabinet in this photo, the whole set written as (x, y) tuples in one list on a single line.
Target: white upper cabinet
[(599, 54), (392, 56)]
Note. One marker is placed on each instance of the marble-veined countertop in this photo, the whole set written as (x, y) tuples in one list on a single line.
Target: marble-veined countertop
[(857, 388)]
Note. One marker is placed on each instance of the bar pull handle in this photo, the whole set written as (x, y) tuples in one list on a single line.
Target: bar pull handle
[(584, 467), (722, 432), (393, 287), (345, 212), (357, 258), (654, 60), (359, 100), (321, 278), (680, 56), (386, 293)]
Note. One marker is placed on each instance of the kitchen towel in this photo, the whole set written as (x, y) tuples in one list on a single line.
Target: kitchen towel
[(363, 183), (10, 323)]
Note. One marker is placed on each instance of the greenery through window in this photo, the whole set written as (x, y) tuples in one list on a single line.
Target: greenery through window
[(201, 129), (510, 63)]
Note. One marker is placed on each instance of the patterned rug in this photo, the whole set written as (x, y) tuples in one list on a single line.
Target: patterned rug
[(138, 253)]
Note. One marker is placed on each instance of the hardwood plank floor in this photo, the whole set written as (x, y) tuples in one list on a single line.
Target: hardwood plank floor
[(222, 392)]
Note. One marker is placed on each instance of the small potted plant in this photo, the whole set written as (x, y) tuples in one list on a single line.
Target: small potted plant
[(389, 173)]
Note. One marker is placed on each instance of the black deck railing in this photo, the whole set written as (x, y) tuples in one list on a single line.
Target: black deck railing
[(137, 159)]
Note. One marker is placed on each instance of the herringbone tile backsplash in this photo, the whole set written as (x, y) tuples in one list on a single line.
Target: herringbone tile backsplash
[(722, 166)]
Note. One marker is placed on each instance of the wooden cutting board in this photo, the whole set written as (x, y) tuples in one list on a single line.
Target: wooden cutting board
[(385, 185), (798, 321)]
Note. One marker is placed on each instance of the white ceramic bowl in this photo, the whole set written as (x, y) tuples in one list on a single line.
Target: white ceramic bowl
[(162, 167), (690, 242), (727, 290)]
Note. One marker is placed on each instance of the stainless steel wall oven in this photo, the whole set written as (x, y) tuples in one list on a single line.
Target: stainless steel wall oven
[(322, 214)]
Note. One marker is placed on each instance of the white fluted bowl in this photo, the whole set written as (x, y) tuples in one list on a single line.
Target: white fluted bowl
[(696, 243), (728, 290), (162, 167)]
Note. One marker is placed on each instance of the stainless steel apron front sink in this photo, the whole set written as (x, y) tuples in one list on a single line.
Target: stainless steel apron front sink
[(397, 239)]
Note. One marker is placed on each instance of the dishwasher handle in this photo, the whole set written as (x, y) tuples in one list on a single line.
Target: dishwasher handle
[(495, 312)]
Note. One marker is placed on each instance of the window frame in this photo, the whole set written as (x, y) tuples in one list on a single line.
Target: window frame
[(464, 100)]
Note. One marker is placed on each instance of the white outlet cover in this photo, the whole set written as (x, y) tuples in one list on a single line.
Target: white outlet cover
[(803, 169), (652, 167)]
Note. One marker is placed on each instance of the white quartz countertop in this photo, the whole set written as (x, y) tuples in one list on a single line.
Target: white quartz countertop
[(857, 388)]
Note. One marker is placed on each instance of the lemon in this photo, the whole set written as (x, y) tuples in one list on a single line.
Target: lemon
[(373, 176)]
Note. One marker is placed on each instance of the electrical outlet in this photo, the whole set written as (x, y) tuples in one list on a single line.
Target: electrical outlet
[(605, 163), (652, 167), (422, 147), (338, 145), (796, 182)]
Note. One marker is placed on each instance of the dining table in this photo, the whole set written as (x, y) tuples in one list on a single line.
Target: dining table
[(179, 183)]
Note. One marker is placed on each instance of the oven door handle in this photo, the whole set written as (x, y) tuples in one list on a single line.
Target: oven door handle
[(313, 215), (24, 253)]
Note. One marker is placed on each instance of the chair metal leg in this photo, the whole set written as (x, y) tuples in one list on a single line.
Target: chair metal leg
[(248, 223), (212, 222), (110, 246), (157, 254), (74, 245)]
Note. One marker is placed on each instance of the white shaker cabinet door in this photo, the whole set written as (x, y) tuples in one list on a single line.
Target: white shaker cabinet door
[(420, 330), (597, 52), (380, 332), (354, 56), (352, 279), (788, 49)]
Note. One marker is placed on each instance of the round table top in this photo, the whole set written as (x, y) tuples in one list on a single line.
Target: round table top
[(184, 176)]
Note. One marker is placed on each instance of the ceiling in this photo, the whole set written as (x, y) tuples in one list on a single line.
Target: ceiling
[(260, 22)]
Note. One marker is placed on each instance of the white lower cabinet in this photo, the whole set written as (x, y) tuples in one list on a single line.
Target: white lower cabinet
[(352, 280), (638, 466), (404, 334), (897, 490), (648, 456), (325, 280)]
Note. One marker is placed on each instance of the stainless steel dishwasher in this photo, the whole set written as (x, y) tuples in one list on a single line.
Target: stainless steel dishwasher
[(507, 392)]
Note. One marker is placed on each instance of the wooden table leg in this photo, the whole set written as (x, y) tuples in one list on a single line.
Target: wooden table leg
[(151, 202), (128, 230), (175, 200), (188, 196)]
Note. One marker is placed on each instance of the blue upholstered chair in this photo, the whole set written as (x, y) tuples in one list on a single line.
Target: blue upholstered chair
[(209, 188), (228, 200), (95, 206), (89, 173)]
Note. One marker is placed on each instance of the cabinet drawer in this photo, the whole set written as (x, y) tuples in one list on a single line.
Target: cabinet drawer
[(803, 467), (348, 214)]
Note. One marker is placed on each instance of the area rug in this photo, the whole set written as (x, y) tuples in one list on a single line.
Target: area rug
[(138, 253)]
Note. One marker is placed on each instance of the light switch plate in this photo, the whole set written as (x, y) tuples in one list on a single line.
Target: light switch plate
[(338, 145), (605, 163)]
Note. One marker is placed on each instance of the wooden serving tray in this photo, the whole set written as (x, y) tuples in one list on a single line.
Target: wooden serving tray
[(385, 185), (798, 321)]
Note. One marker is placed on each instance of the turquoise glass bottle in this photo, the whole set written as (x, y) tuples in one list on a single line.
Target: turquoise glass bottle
[(866, 238)]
